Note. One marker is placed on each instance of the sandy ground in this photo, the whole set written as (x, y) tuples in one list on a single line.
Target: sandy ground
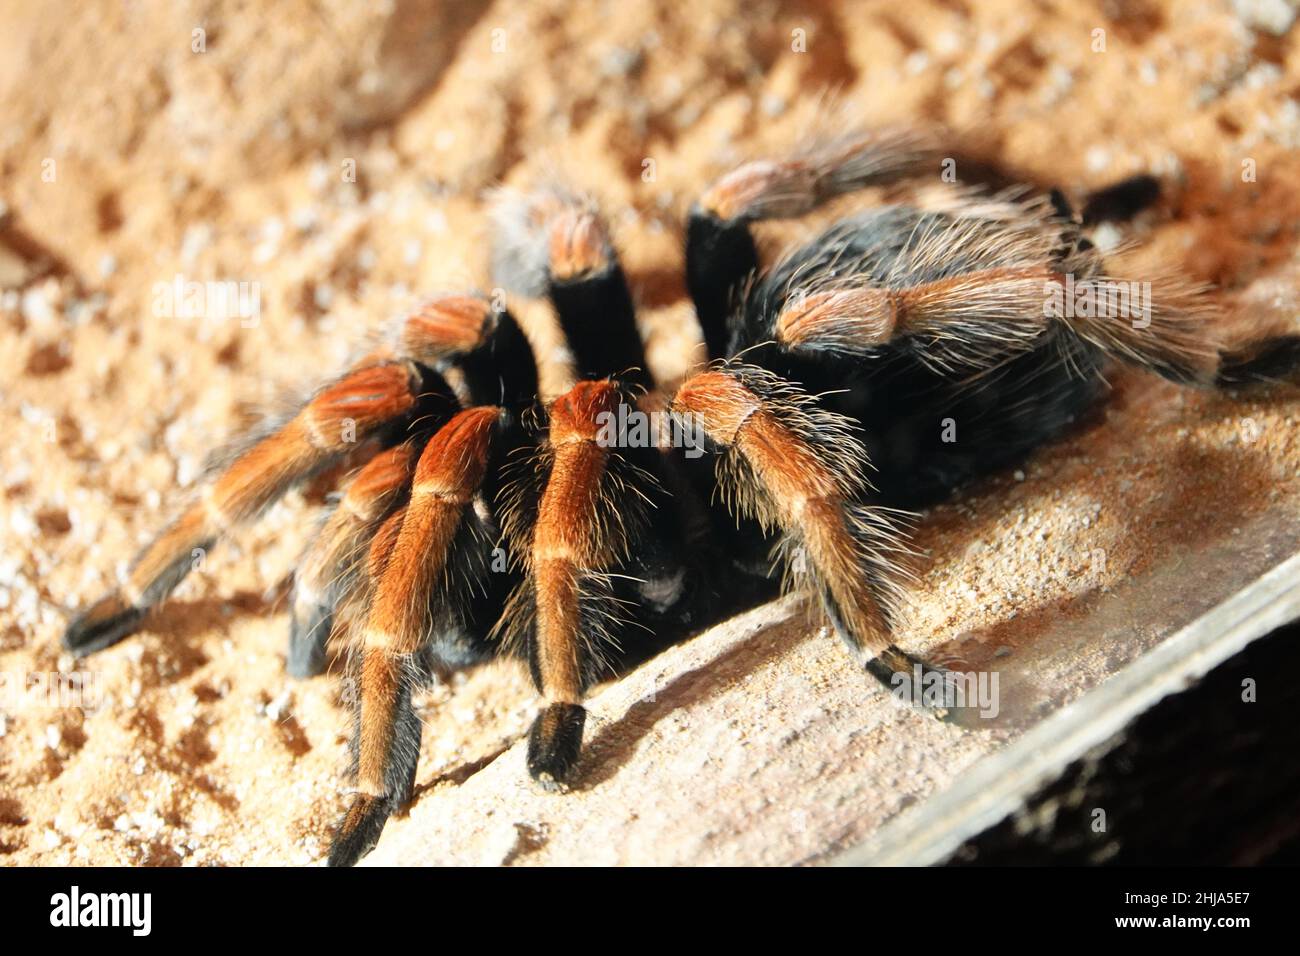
[(135, 150)]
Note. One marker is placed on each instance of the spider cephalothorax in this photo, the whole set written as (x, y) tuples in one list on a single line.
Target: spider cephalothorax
[(478, 518)]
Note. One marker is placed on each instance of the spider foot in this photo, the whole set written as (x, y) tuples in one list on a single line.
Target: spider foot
[(359, 831), (553, 745), (927, 687), (102, 625), (308, 630)]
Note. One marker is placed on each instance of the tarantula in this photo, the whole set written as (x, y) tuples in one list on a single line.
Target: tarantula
[(479, 519)]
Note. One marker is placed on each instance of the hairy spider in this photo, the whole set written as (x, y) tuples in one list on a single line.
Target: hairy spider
[(479, 519)]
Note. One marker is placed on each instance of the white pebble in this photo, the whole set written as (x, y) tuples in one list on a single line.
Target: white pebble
[(1097, 158), (1272, 16), (36, 306), (277, 708)]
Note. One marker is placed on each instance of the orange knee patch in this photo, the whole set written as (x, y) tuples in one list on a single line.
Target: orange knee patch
[(721, 400), (353, 407), (579, 413), (451, 325), (375, 484), (577, 244), (858, 318), (453, 463)]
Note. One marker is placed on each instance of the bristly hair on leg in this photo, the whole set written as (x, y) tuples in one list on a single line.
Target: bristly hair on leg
[(342, 416), (880, 533), (329, 568), (800, 469), (589, 511), (967, 292), (1163, 323), (835, 158), (620, 515), (553, 230)]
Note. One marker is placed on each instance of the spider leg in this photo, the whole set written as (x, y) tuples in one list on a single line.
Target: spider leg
[(360, 405), (365, 818), (798, 468), (480, 344), (566, 547), (1012, 301), (337, 552), (720, 249), (555, 243), (435, 535), (591, 505), (1121, 201), (1261, 365), (575, 508), (484, 350)]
